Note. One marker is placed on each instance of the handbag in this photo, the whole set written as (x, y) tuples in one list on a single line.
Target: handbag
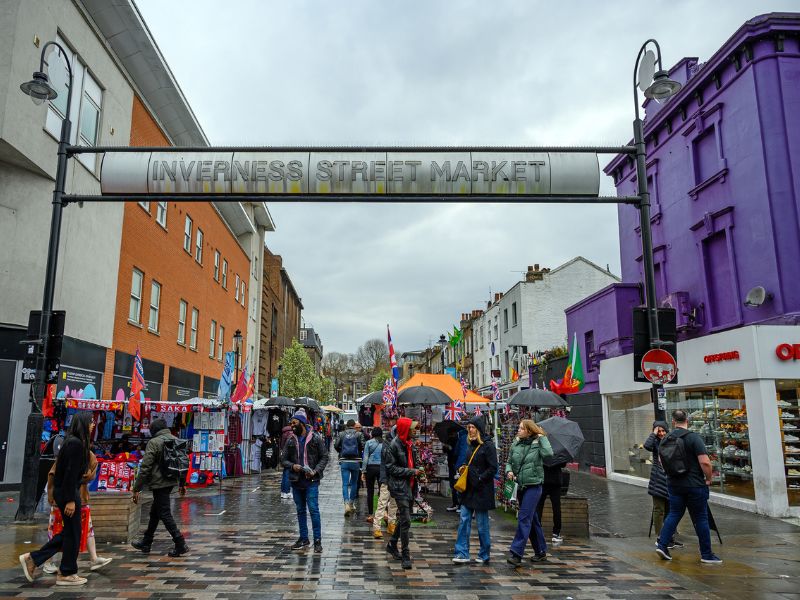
[(461, 485)]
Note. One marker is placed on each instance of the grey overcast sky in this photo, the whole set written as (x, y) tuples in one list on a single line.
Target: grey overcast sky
[(425, 72)]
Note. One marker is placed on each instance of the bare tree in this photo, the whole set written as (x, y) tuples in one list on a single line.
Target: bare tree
[(372, 356)]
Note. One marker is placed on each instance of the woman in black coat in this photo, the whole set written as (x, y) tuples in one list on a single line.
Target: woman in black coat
[(657, 486), (478, 499)]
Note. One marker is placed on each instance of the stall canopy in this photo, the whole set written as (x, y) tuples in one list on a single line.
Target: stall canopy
[(446, 384)]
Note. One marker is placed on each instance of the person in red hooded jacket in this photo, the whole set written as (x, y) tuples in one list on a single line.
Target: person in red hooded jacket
[(402, 474)]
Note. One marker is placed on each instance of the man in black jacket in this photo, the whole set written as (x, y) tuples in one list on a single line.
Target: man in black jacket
[(402, 473), (306, 457)]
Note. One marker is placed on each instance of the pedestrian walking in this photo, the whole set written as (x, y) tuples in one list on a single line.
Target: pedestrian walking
[(371, 468), (387, 507), (551, 488), (286, 488), (657, 486), (478, 497), (153, 477), (350, 447), (456, 455), (88, 544), (402, 474), (71, 465), (306, 457), (685, 461), (525, 467)]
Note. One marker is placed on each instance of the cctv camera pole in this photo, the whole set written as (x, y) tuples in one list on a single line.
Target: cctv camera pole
[(33, 435)]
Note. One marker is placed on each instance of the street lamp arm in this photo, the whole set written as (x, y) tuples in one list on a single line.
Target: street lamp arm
[(69, 70), (636, 70)]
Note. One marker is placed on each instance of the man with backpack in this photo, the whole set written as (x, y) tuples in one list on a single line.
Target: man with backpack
[(685, 461), (163, 466), (350, 446)]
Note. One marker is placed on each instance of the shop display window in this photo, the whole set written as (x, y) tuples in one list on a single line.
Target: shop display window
[(630, 420), (788, 397), (719, 415)]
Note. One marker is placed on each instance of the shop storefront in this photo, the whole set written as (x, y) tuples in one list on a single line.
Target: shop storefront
[(741, 389)]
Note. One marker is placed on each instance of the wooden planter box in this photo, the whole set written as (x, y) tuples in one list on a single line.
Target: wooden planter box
[(115, 517), (574, 517)]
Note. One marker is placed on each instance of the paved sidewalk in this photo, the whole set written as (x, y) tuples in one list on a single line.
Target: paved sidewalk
[(243, 552)]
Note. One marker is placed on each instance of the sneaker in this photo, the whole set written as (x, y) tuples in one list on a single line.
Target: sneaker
[(377, 534), (794, 472), (460, 559), (789, 427), (539, 557), (786, 415), (784, 404), (452, 508), (300, 544), (557, 539), (286, 496), (792, 461), (790, 438), (28, 566), (674, 544), (50, 568), (791, 450), (99, 563), (711, 560), (390, 528), (663, 553), (318, 546), (480, 560), (514, 560), (70, 580)]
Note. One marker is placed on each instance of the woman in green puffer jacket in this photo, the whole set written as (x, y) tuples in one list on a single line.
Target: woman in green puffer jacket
[(526, 468)]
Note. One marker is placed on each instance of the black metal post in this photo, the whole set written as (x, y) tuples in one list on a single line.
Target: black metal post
[(33, 435)]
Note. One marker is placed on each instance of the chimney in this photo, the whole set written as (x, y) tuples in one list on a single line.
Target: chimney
[(497, 296), (535, 274)]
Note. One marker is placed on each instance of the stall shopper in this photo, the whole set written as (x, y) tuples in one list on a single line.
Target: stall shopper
[(371, 468), (478, 499), (71, 465), (456, 455), (657, 485), (286, 489), (525, 467), (350, 447), (306, 457), (551, 486), (152, 476)]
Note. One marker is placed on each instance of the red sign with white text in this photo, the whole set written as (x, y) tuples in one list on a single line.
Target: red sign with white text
[(659, 367)]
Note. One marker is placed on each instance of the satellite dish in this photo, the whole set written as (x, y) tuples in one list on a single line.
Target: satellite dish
[(756, 296), (647, 68)]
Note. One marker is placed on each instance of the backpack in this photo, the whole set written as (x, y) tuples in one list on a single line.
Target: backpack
[(175, 459), (672, 452), (350, 445)]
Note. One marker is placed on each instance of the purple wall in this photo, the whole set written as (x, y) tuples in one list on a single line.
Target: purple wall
[(723, 166)]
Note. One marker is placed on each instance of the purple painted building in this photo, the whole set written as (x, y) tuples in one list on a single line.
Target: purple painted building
[(723, 169)]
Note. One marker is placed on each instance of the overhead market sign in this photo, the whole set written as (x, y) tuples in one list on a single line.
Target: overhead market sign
[(456, 173)]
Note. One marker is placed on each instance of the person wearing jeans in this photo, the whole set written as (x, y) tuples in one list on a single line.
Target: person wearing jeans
[(350, 447), (478, 497), (552, 487), (371, 468), (286, 488), (526, 468), (306, 457)]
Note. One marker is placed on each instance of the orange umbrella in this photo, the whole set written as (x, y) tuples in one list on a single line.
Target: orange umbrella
[(444, 383)]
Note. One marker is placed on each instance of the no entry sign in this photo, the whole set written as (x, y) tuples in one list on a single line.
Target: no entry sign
[(659, 366)]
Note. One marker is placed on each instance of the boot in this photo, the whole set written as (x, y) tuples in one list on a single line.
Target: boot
[(142, 545), (406, 558), (179, 549), (390, 528), (391, 548)]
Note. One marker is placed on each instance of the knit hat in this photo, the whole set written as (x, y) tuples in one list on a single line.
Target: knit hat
[(300, 415)]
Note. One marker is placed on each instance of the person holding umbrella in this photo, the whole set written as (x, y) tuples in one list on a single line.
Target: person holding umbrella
[(525, 467), (478, 497)]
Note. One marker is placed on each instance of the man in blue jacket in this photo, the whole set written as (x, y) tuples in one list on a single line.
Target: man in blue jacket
[(456, 456)]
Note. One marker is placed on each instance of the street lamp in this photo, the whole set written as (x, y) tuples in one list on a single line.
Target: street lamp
[(442, 344), (40, 90), (237, 349), (658, 86)]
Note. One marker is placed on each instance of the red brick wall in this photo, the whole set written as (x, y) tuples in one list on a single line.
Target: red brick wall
[(159, 254)]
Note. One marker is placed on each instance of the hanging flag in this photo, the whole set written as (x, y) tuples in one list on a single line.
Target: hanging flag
[(224, 388), (514, 374), (495, 390), (573, 379), (464, 388), (478, 411), (455, 338), (137, 387), (507, 409), (251, 387), (241, 387), (453, 411), (392, 359)]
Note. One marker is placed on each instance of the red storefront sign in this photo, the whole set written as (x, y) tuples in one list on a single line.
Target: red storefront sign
[(788, 351), (722, 356)]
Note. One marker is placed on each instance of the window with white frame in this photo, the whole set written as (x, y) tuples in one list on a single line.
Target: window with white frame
[(198, 246), (212, 338), (220, 342), (161, 214), (513, 314), (155, 302), (216, 265), (87, 100), (193, 330), (225, 273), (187, 234), (182, 309), (505, 319), (135, 310), (236, 290), (145, 204), (243, 295), (303, 335)]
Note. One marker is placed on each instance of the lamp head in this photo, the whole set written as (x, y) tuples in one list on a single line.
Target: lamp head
[(39, 88), (662, 87)]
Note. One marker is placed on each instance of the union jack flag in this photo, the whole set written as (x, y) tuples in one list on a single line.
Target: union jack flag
[(454, 411), (496, 390), (507, 409), (464, 387), (389, 394), (392, 359), (478, 411)]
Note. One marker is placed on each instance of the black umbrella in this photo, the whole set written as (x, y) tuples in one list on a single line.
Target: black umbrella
[(445, 430), (281, 401), (373, 398), (565, 437), (307, 402), (536, 397), (424, 395)]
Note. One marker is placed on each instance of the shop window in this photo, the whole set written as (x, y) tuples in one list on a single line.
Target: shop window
[(789, 415)]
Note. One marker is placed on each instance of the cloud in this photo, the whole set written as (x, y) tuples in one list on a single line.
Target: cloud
[(422, 72)]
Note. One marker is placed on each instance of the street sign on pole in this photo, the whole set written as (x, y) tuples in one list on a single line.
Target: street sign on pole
[(659, 366)]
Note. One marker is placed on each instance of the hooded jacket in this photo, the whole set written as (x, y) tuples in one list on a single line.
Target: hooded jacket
[(399, 472), (479, 494), (657, 486), (150, 473), (315, 451), (286, 433), (525, 459)]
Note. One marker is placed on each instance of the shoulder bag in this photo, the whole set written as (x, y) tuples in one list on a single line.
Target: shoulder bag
[(461, 485)]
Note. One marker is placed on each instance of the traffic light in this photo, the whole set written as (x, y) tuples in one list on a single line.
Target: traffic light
[(641, 337), (33, 343)]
